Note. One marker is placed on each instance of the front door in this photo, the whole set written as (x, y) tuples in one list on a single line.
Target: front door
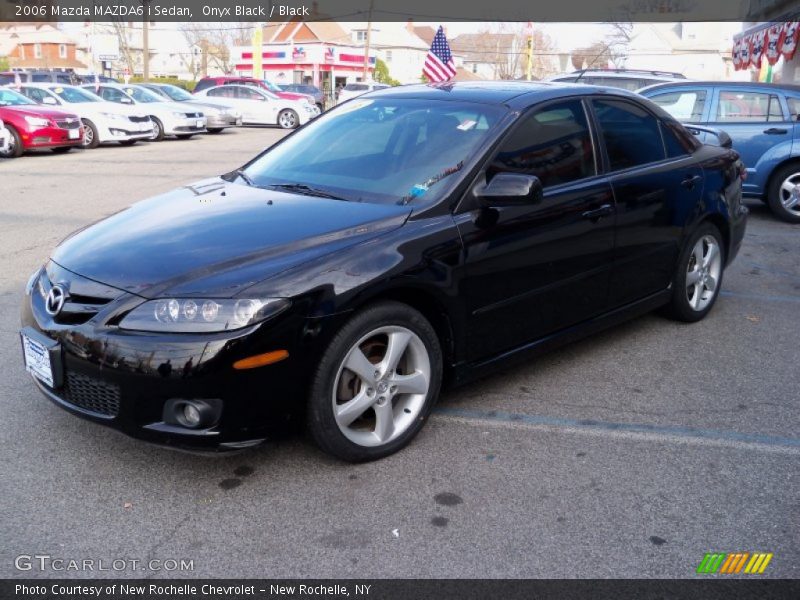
[(531, 270)]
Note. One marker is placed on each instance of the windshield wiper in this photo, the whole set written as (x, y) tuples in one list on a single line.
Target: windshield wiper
[(307, 190)]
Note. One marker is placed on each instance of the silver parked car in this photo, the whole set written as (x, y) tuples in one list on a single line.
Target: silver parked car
[(218, 116)]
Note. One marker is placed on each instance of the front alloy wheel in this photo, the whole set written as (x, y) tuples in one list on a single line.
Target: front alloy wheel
[(288, 119), (376, 383), (783, 196)]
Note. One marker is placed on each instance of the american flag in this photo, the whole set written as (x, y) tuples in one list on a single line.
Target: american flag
[(439, 65)]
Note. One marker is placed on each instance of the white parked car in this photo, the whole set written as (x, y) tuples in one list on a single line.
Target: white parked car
[(102, 121), (169, 118), (5, 136), (260, 107), (352, 90)]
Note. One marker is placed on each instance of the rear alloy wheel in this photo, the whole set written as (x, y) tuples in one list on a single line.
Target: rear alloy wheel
[(158, 130), (13, 147), (697, 282), (288, 119), (90, 137), (376, 383), (783, 195)]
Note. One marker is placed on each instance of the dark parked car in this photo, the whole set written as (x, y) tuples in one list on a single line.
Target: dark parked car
[(762, 119), (65, 77), (304, 88), (443, 231), (626, 79)]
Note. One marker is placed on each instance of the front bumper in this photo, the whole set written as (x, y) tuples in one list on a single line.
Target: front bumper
[(175, 126), (121, 130), (222, 121), (50, 137), (125, 379)]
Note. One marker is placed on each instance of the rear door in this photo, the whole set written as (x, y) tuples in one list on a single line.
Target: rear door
[(656, 186), (756, 122)]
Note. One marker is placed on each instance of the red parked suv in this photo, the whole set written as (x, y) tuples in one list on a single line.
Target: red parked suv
[(207, 82), (30, 125)]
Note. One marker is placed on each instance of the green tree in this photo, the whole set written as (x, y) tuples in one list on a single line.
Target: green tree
[(381, 74), (4, 66)]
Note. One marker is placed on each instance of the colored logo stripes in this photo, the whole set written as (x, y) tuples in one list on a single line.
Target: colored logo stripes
[(734, 562)]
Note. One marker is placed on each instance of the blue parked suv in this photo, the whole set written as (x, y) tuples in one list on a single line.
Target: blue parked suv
[(762, 120)]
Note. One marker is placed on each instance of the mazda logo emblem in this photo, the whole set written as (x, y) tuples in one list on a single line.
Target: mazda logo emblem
[(55, 300)]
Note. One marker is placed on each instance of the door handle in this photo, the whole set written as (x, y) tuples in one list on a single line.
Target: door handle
[(598, 213), (690, 181), (775, 131)]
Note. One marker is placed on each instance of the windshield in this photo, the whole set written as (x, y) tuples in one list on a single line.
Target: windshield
[(75, 95), (142, 94), (382, 150), (176, 93), (271, 86), (12, 98)]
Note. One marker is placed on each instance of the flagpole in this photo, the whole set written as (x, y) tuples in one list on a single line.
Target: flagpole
[(366, 44)]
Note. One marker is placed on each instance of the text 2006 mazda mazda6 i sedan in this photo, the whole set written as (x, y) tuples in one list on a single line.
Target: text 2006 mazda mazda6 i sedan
[(409, 237)]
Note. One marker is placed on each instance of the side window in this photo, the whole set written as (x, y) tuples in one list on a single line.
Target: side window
[(248, 93), (553, 143), (34, 94), (223, 92), (794, 108), (111, 94), (677, 140), (40, 77), (684, 105), (748, 107), (632, 135)]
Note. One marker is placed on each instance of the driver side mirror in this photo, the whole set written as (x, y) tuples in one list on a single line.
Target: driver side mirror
[(510, 189)]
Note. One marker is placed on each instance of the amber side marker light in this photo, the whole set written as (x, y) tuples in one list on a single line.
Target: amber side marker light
[(261, 360)]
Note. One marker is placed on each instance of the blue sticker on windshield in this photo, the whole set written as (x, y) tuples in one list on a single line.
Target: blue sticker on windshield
[(418, 190)]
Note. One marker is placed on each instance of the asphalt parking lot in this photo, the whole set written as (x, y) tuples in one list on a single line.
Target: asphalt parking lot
[(630, 454)]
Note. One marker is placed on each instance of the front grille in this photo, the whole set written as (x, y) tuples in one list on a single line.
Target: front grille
[(77, 309), (70, 124), (139, 119), (92, 394)]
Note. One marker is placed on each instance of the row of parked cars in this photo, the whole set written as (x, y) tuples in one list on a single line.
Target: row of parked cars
[(61, 116), (760, 120)]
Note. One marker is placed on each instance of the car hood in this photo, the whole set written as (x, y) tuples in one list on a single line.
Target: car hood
[(216, 238), (41, 111)]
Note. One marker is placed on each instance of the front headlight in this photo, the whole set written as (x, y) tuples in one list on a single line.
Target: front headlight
[(179, 115), (195, 315), (36, 121)]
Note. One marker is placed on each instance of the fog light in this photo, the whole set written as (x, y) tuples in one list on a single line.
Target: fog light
[(191, 415)]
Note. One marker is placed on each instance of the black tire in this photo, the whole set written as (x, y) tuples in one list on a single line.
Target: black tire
[(679, 307), (288, 119), (215, 130), (158, 129), (128, 142), (185, 136), (15, 150), (775, 194), (61, 149), (321, 421), (91, 129)]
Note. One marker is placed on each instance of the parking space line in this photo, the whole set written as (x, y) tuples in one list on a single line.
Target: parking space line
[(629, 430)]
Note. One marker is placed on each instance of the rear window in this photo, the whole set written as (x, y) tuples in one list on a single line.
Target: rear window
[(356, 87), (203, 84), (794, 108)]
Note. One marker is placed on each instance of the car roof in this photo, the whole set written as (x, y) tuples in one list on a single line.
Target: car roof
[(511, 93), (756, 85)]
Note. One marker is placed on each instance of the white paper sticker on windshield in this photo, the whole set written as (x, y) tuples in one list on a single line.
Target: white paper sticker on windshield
[(467, 125)]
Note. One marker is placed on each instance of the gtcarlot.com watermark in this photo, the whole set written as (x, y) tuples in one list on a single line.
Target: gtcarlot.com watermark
[(48, 563)]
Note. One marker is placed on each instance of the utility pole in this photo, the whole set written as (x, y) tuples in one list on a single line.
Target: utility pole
[(146, 40), (529, 39), (366, 45)]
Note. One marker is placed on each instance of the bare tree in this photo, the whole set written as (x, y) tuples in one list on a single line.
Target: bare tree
[(214, 41), (505, 49)]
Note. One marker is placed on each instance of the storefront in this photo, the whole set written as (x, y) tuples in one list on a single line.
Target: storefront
[(326, 66)]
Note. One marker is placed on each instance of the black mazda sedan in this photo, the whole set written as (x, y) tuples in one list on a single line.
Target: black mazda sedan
[(409, 238)]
